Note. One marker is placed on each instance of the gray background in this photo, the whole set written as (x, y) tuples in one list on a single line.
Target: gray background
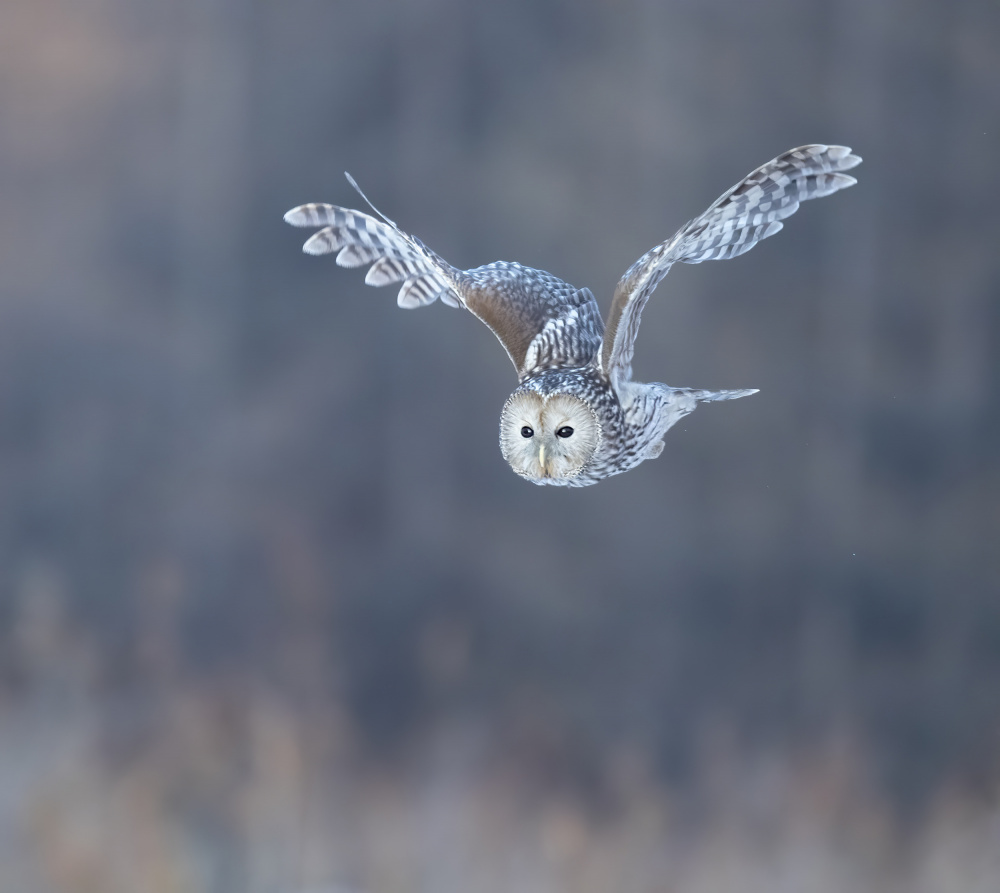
[(275, 614)]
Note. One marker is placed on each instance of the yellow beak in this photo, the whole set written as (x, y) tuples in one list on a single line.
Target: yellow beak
[(541, 461)]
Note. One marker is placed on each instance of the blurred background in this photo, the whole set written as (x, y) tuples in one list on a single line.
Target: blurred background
[(274, 613)]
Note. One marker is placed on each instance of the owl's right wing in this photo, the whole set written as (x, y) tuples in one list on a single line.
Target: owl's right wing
[(540, 320), (394, 255), (752, 210)]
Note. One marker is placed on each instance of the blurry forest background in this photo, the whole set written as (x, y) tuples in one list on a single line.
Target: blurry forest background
[(274, 613)]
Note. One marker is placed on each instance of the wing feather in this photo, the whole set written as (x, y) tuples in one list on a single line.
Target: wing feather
[(360, 239)]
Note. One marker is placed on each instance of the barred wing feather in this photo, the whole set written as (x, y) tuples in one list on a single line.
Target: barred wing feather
[(395, 256)]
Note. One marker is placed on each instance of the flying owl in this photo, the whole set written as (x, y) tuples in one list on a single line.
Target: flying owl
[(576, 417)]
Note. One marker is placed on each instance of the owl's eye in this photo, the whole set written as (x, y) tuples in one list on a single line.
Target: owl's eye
[(564, 431), (527, 432)]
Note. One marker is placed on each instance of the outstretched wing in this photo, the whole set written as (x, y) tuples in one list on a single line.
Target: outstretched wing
[(541, 321), (395, 256), (752, 210)]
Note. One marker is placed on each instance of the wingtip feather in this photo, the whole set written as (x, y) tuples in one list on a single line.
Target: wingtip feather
[(325, 241), (312, 214), (843, 156)]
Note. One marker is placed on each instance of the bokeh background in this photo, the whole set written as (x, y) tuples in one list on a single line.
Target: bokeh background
[(274, 613)]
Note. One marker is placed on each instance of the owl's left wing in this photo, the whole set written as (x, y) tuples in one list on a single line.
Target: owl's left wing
[(752, 210)]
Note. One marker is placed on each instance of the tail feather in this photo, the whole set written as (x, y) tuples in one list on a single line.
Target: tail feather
[(710, 396)]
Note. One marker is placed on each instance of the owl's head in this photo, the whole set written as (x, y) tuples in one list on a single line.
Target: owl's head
[(547, 437)]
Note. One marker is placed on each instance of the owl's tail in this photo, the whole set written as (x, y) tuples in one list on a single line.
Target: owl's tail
[(395, 256), (672, 405), (709, 396)]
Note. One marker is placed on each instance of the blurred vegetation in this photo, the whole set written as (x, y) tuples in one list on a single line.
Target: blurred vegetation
[(274, 614)]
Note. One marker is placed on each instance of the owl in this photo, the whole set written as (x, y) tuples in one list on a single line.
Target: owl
[(576, 416)]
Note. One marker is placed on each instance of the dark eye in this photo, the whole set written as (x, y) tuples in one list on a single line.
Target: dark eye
[(564, 431), (527, 432)]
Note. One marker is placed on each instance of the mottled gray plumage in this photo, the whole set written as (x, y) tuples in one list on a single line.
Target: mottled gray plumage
[(570, 367)]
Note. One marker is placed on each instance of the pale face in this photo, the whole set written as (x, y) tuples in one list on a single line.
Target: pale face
[(547, 436)]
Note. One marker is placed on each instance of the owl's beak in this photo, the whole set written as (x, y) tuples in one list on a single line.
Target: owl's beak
[(541, 461)]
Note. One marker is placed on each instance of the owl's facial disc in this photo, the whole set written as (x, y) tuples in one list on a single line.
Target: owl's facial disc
[(547, 437)]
